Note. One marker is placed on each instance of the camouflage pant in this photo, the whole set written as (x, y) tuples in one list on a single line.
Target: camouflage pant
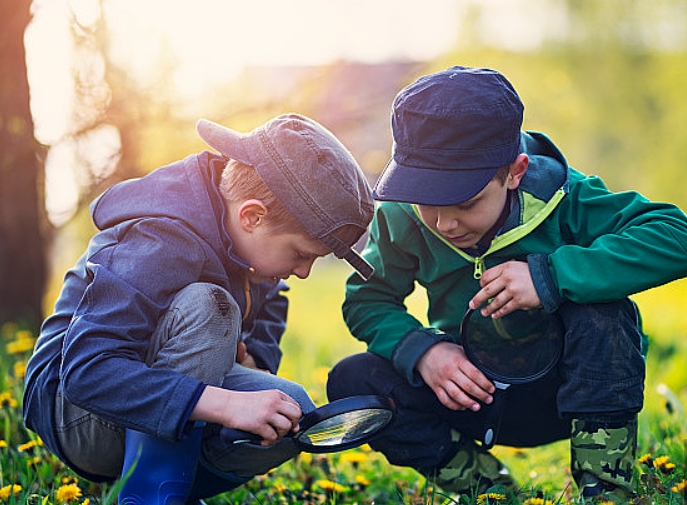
[(472, 470), (602, 458), (602, 463)]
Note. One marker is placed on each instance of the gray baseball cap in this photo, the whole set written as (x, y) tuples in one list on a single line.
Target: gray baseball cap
[(309, 171)]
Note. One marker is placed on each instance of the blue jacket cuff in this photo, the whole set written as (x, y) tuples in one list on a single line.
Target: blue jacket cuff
[(411, 348), (543, 282)]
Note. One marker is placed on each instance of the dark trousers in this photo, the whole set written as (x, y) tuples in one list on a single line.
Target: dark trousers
[(600, 376)]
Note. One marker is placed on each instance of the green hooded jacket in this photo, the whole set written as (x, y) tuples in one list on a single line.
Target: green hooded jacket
[(582, 242)]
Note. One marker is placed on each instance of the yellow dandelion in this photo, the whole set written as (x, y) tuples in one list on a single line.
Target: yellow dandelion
[(330, 486), (305, 457), (68, 493), (365, 448), (23, 342), (354, 457), (487, 498), (7, 491), (362, 480), (663, 464), (537, 501), (19, 369), (646, 459), (87, 501), (27, 446), (661, 460), (23, 335), (7, 400), (3, 444), (680, 487)]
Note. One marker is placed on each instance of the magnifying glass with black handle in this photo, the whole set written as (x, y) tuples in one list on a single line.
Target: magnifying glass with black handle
[(520, 347), (336, 426)]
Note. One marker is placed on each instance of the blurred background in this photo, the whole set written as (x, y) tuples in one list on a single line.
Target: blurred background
[(96, 91)]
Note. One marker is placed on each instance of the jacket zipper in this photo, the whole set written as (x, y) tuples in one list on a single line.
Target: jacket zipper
[(543, 210)]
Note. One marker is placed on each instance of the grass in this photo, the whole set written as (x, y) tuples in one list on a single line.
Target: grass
[(316, 339)]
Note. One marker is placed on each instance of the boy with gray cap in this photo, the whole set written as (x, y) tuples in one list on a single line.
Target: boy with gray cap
[(166, 333), (486, 216)]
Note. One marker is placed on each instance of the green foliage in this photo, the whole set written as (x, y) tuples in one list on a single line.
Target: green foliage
[(316, 339)]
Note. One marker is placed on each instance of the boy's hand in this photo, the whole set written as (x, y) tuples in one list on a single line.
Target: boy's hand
[(457, 383), (509, 286), (271, 414)]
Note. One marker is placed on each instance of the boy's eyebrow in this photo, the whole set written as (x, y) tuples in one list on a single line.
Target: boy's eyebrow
[(470, 201)]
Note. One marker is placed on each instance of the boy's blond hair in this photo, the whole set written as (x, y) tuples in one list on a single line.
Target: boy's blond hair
[(241, 182)]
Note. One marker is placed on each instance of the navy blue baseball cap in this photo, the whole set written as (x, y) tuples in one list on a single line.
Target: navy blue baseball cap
[(452, 131)]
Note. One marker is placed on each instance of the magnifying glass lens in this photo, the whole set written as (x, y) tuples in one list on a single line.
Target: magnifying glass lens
[(345, 427)]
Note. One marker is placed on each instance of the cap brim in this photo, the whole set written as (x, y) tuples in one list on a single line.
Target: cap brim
[(347, 253), (427, 186), (224, 140)]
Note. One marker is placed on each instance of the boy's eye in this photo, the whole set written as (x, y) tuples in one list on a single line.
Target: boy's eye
[(467, 205)]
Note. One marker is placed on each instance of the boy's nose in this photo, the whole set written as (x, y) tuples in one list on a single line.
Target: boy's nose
[(303, 271), (445, 222)]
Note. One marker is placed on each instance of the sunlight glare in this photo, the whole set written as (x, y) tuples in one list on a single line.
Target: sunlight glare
[(216, 39), (48, 56)]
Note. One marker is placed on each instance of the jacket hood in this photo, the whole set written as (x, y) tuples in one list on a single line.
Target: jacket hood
[(186, 190), (548, 169)]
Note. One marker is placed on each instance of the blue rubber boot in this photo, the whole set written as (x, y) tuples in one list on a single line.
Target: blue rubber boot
[(157, 471)]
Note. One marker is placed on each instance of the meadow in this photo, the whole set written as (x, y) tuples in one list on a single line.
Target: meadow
[(316, 339)]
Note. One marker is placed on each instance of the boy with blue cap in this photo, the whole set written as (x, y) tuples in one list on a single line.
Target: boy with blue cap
[(165, 337), (488, 217)]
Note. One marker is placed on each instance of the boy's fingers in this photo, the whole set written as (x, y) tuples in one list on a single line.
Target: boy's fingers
[(488, 293)]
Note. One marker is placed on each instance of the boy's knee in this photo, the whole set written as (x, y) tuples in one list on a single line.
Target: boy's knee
[(602, 362), (206, 309), (298, 393), (211, 297), (198, 334), (358, 374)]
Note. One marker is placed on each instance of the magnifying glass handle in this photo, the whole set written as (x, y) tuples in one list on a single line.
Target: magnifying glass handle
[(493, 416)]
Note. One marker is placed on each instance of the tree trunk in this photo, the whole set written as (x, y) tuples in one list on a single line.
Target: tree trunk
[(22, 214)]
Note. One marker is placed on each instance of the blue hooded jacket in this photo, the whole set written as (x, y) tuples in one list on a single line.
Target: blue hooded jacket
[(157, 235)]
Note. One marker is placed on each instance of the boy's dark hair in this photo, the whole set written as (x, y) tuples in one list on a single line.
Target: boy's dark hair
[(502, 174)]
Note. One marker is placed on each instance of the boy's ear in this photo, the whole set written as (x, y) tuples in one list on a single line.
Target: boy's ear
[(251, 214), (517, 170)]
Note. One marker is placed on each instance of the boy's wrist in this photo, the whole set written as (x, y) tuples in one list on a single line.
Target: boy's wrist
[(543, 282), (410, 349)]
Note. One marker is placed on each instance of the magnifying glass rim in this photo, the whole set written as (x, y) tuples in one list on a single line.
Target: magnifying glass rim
[(497, 376), (343, 406)]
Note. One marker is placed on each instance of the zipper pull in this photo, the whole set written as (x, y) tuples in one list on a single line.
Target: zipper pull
[(479, 268)]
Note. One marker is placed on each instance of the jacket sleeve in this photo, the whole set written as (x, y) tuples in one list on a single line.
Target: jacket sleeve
[(131, 279), (263, 337), (375, 311), (616, 244)]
